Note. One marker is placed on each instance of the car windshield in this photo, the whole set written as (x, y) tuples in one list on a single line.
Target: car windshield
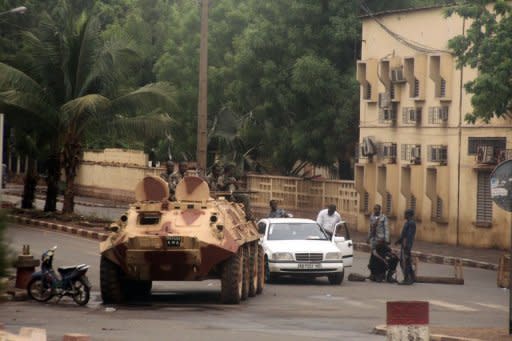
[(295, 231)]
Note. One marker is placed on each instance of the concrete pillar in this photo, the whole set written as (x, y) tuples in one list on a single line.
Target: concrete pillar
[(407, 321), (25, 267)]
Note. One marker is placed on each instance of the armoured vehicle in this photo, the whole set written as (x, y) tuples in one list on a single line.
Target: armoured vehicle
[(192, 238)]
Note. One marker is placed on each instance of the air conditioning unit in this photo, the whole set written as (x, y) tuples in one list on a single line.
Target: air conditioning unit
[(443, 114), (368, 147), (384, 100), (416, 155), (439, 154), (389, 115), (397, 75), (485, 155)]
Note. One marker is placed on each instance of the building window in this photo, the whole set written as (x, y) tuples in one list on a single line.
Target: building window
[(411, 153), (483, 199), (389, 203), (499, 143), (416, 88), (438, 115), (438, 209), (411, 115), (412, 203), (368, 91), (438, 153), (442, 92), (366, 202)]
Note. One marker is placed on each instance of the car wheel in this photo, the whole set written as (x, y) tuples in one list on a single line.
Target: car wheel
[(336, 278), (269, 277)]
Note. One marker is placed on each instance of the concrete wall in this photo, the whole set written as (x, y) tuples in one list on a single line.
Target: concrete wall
[(113, 173), (454, 182)]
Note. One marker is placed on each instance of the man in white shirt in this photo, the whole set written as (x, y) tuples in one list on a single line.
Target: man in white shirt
[(328, 218)]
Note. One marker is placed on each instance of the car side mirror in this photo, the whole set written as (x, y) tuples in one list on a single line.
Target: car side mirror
[(338, 239)]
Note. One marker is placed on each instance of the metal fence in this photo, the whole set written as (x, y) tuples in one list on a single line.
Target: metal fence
[(304, 198)]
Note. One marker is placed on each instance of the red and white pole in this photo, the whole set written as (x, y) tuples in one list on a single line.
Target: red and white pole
[(407, 320)]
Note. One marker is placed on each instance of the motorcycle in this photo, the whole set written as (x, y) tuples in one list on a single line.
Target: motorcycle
[(70, 281)]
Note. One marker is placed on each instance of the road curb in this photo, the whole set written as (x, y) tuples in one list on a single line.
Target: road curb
[(81, 203), (59, 227), (358, 246), (382, 330), (437, 259)]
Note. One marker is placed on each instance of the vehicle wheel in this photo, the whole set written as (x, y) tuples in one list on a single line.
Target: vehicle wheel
[(246, 271), (269, 277), (137, 289), (337, 278), (37, 290), (253, 269), (110, 282), (231, 279), (261, 270), (82, 292)]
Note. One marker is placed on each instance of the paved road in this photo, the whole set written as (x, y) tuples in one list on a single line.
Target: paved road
[(289, 310)]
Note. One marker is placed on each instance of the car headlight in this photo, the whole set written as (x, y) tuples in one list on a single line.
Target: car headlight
[(282, 256), (333, 256)]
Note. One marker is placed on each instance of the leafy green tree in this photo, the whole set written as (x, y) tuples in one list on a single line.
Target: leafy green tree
[(70, 78), (487, 47)]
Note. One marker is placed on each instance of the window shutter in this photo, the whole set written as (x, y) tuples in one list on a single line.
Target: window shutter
[(483, 199)]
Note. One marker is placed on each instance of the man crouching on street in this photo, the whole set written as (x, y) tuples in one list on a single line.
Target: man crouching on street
[(382, 259)]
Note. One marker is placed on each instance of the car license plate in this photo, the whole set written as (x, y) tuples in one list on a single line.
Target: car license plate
[(309, 266), (174, 241)]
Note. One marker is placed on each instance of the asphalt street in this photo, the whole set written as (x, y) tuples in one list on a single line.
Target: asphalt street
[(289, 310)]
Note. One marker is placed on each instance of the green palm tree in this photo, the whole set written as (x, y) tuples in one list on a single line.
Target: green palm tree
[(67, 78)]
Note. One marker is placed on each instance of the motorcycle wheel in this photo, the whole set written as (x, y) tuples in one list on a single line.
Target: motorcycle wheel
[(37, 291), (82, 292)]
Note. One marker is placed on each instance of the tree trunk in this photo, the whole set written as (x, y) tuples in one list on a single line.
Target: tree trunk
[(29, 188), (71, 159), (52, 182)]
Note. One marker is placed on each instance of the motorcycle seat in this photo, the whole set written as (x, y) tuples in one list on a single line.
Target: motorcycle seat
[(67, 269)]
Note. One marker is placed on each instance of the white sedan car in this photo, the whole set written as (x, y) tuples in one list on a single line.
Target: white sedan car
[(299, 247)]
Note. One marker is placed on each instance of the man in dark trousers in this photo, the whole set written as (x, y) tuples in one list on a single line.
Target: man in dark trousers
[(406, 241), (383, 261)]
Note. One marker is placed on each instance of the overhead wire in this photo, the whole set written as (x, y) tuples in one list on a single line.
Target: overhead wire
[(401, 39)]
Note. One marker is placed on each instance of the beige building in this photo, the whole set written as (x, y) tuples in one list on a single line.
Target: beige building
[(416, 151)]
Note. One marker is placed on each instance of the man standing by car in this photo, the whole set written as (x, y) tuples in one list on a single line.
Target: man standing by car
[(382, 258), (328, 218), (276, 212), (406, 241)]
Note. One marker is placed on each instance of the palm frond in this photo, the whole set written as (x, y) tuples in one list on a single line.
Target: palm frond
[(79, 111), (154, 96), (12, 78), (143, 126)]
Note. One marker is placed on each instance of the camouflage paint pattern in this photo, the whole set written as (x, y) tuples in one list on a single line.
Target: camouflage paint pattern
[(181, 240)]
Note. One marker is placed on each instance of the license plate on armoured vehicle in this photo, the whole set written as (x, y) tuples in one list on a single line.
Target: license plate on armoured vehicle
[(173, 241)]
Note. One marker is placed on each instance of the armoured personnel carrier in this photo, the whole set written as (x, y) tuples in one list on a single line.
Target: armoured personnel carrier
[(192, 238)]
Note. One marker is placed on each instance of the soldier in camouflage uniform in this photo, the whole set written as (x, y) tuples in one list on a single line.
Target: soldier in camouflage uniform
[(215, 178), (229, 183), (175, 178), (169, 171)]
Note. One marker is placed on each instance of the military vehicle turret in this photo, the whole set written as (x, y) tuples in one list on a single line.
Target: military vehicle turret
[(193, 238)]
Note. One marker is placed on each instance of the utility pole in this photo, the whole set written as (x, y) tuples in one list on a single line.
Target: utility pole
[(202, 107)]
